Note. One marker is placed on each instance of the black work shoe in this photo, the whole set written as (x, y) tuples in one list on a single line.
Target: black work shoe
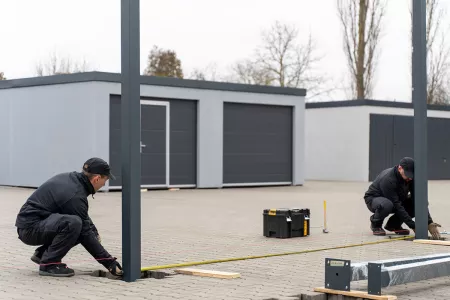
[(36, 257), (56, 270), (398, 230), (377, 230)]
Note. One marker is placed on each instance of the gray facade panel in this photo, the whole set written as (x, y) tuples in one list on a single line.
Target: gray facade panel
[(392, 138), (182, 141), (257, 143), (51, 130)]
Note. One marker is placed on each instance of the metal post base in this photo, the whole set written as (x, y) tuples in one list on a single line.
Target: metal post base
[(337, 274)]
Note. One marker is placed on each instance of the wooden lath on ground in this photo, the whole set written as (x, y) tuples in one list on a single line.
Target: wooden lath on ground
[(356, 294), (433, 242), (208, 273)]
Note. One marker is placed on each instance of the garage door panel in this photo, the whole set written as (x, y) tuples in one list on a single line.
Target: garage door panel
[(257, 178), (153, 170), (183, 170), (439, 152), (402, 144), (153, 117), (257, 143), (183, 141), (252, 143), (381, 144), (154, 142), (256, 122), (403, 137)]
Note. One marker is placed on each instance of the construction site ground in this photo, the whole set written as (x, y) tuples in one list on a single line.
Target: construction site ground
[(192, 225)]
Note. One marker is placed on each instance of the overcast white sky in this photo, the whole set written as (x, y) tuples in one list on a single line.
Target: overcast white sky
[(201, 32)]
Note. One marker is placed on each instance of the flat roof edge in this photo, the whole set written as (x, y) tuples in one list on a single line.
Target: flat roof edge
[(370, 102), (149, 80)]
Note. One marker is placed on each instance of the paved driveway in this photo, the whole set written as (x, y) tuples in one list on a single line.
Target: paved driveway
[(195, 225)]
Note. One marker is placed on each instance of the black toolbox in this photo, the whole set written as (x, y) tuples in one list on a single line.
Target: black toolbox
[(286, 223)]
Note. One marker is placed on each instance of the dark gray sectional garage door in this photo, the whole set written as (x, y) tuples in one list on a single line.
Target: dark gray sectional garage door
[(182, 142), (392, 137), (257, 143)]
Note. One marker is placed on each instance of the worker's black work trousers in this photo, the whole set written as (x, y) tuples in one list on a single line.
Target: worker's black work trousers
[(382, 207), (57, 234)]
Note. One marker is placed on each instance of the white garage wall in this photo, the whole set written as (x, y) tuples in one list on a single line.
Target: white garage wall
[(337, 143), (46, 130)]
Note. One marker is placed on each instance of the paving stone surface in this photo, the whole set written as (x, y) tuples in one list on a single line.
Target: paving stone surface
[(196, 225)]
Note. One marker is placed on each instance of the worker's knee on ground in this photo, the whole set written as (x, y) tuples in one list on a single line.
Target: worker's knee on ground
[(71, 223)]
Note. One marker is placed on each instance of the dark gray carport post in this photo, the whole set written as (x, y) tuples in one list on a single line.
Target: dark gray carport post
[(419, 98), (130, 135)]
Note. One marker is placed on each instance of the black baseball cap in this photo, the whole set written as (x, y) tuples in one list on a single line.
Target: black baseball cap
[(407, 163), (97, 165)]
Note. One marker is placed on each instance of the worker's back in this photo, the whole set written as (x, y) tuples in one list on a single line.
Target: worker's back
[(376, 187), (49, 198)]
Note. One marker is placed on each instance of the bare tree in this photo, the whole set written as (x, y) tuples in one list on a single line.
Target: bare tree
[(438, 55), (248, 71), (2, 76), (283, 60), (60, 65), (207, 73), (361, 22), (287, 62)]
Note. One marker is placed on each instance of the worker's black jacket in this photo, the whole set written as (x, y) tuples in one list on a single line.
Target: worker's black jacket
[(64, 193), (390, 184)]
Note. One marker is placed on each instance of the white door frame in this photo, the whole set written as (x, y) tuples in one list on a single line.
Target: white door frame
[(167, 105)]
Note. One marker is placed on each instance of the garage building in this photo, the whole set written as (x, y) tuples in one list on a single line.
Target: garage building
[(355, 140), (193, 133)]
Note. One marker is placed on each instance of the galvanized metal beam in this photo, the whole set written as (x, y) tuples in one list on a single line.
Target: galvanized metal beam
[(380, 276), (131, 137), (419, 98), (360, 270), (339, 273)]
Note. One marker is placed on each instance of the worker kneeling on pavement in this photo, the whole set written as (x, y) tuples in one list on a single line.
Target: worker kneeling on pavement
[(55, 217), (392, 191)]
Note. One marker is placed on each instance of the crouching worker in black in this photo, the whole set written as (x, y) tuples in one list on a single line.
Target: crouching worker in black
[(55, 217), (393, 192)]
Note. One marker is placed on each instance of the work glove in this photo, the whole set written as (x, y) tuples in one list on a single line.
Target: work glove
[(115, 268), (433, 229)]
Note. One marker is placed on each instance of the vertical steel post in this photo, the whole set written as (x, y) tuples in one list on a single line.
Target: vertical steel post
[(419, 98), (131, 137)]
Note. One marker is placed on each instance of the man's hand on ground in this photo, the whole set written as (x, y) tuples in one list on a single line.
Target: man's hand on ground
[(433, 229), (115, 268)]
